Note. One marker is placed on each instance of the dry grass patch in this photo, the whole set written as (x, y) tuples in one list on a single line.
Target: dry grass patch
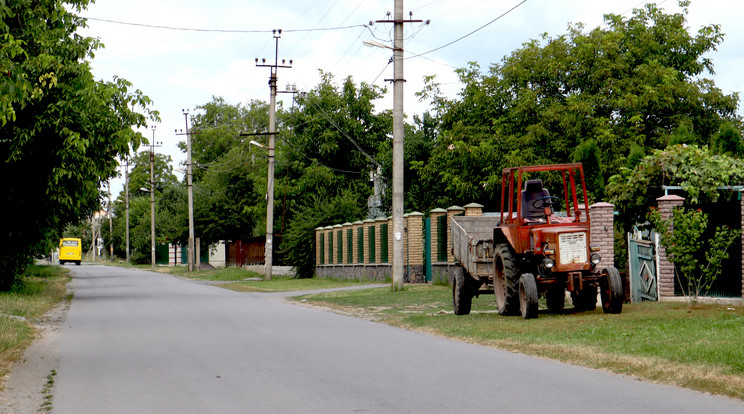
[(40, 289)]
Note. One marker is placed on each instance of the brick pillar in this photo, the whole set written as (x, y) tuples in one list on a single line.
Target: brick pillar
[(451, 211), (741, 197), (318, 230), (434, 217), (368, 223), (666, 269), (473, 209), (415, 246), (602, 219), (378, 238)]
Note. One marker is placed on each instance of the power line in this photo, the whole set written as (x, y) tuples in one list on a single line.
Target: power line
[(193, 29), (471, 33)]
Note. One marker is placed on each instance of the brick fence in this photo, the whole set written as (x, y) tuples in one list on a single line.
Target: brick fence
[(363, 249)]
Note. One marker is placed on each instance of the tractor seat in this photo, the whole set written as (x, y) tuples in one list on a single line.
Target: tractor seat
[(533, 190)]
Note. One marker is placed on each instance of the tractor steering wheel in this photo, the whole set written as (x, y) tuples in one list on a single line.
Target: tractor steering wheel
[(547, 201)]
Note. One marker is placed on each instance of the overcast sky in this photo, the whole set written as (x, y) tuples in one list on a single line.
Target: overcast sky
[(182, 69)]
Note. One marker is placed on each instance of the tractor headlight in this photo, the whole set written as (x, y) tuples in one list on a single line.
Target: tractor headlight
[(595, 259), (548, 263)]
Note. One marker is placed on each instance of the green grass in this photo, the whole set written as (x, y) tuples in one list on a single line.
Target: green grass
[(287, 284), (699, 348), (40, 289), (227, 274)]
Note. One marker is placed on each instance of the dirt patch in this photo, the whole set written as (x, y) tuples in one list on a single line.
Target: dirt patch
[(26, 385)]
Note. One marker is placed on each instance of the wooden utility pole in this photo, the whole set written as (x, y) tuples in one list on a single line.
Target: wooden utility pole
[(269, 247)]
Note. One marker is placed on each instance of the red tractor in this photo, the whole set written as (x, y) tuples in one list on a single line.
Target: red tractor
[(537, 251), (540, 246)]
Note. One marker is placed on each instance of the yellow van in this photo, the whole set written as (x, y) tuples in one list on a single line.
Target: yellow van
[(70, 250)]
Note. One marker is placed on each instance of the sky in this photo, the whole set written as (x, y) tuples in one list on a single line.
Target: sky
[(182, 53)]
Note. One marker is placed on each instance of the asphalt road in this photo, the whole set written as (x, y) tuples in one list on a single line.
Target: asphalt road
[(142, 342)]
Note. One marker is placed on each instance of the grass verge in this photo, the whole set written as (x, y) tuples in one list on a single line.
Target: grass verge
[(287, 284), (40, 289), (698, 348)]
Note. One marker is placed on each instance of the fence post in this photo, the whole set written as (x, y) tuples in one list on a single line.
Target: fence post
[(473, 209), (741, 202), (666, 269)]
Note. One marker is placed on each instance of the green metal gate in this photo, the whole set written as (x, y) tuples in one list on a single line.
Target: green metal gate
[(643, 275)]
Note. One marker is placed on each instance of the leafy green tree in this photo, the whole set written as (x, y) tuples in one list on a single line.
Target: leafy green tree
[(62, 130), (683, 237), (298, 244), (139, 177), (324, 160), (698, 171), (633, 82), (728, 141), (587, 153), (227, 200)]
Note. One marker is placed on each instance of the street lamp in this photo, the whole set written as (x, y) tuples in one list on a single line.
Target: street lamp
[(375, 43), (258, 144)]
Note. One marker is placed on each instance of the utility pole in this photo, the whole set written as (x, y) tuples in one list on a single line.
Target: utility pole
[(398, 130), (111, 225), (153, 144), (126, 201), (269, 247), (190, 186)]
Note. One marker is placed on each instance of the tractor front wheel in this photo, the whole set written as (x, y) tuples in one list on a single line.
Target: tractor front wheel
[(528, 296)]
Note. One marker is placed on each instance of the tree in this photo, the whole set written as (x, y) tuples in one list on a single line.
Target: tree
[(698, 171), (139, 177), (324, 162), (227, 202), (631, 83), (683, 237), (63, 130), (728, 141)]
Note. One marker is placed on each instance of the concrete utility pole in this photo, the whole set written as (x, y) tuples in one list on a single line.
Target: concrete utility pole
[(126, 202), (153, 144), (190, 186), (398, 130), (111, 225), (189, 182), (269, 247)]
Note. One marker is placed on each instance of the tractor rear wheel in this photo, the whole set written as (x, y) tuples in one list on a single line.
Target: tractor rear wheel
[(505, 279), (462, 299), (528, 296), (612, 292)]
